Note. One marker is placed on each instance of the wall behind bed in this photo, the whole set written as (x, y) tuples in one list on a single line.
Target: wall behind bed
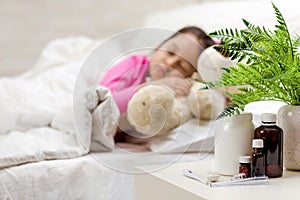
[(26, 26)]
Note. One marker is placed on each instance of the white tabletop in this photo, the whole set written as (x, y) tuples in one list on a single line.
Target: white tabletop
[(169, 182)]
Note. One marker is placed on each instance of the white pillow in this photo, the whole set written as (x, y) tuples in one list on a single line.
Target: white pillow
[(210, 64), (213, 15)]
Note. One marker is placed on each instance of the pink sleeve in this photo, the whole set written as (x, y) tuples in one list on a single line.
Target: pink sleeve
[(124, 77)]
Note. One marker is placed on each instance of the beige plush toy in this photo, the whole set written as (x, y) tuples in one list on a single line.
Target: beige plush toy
[(155, 110)]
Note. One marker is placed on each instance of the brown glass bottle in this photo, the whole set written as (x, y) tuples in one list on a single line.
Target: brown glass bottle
[(258, 158), (245, 165), (272, 135)]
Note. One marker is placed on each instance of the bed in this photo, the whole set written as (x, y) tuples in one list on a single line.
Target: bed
[(55, 139)]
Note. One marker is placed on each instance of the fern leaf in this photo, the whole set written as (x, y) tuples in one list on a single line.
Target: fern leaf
[(282, 25), (271, 67), (231, 110), (210, 85)]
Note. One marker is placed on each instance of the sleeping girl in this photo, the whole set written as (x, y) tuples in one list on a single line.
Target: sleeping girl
[(171, 63)]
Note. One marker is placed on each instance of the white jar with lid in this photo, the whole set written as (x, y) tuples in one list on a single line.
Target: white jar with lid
[(233, 139)]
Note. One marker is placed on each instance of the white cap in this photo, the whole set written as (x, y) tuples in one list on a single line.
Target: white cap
[(257, 143), (268, 117), (245, 159)]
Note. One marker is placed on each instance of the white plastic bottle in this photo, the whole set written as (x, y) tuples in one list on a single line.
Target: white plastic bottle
[(233, 139)]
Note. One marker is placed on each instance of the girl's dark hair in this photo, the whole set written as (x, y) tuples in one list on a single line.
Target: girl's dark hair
[(205, 40), (200, 34)]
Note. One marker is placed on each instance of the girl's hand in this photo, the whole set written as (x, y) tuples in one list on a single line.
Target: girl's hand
[(180, 86)]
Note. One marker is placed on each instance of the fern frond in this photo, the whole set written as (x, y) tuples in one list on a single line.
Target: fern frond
[(296, 44), (282, 26), (255, 33), (236, 52), (210, 85), (231, 110), (281, 22), (268, 64), (227, 35)]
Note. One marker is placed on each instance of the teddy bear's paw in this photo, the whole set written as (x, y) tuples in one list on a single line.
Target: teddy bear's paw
[(150, 110), (205, 104), (152, 123), (158, 117)]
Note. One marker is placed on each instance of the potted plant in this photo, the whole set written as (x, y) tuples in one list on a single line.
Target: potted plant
[(268, 68)]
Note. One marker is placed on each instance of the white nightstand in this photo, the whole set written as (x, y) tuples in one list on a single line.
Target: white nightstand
[(169, 183)]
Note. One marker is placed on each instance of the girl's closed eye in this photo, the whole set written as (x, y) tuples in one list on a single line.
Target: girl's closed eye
[(181, 67), (171, 53), (184, 65)]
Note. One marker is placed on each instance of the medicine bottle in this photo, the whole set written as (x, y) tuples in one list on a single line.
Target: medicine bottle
[(233, 138), (272, 135), (258, 158), (245, 165)]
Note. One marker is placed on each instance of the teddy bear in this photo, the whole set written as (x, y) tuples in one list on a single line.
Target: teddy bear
[(155, 110)]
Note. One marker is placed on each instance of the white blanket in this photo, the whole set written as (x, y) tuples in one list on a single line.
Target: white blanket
[(56, 110), (37, 120)]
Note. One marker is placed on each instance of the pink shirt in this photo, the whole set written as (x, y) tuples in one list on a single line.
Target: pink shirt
[(123, 78)]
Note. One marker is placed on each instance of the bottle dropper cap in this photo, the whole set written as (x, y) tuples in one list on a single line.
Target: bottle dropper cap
[(257, 143), (244, 159), (268, 117)]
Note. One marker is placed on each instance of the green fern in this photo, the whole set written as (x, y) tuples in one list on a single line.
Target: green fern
[(268, 64)]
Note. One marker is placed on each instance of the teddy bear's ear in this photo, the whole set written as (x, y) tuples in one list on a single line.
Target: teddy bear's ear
[(196, 76), (210, 64)]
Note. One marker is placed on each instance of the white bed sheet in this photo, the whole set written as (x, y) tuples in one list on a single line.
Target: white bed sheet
[(102, 176)]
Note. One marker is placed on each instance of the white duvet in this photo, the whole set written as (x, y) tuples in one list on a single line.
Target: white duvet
[(55, 110), (37, 119)]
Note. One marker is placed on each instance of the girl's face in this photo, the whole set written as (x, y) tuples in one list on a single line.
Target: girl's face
[(176, 57)]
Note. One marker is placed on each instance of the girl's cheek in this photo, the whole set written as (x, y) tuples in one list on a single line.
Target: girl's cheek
[(156, 73), (174, 73)]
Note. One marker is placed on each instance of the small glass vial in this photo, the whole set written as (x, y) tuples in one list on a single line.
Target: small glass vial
[(258, 158), (245, 165), (272, 136)]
